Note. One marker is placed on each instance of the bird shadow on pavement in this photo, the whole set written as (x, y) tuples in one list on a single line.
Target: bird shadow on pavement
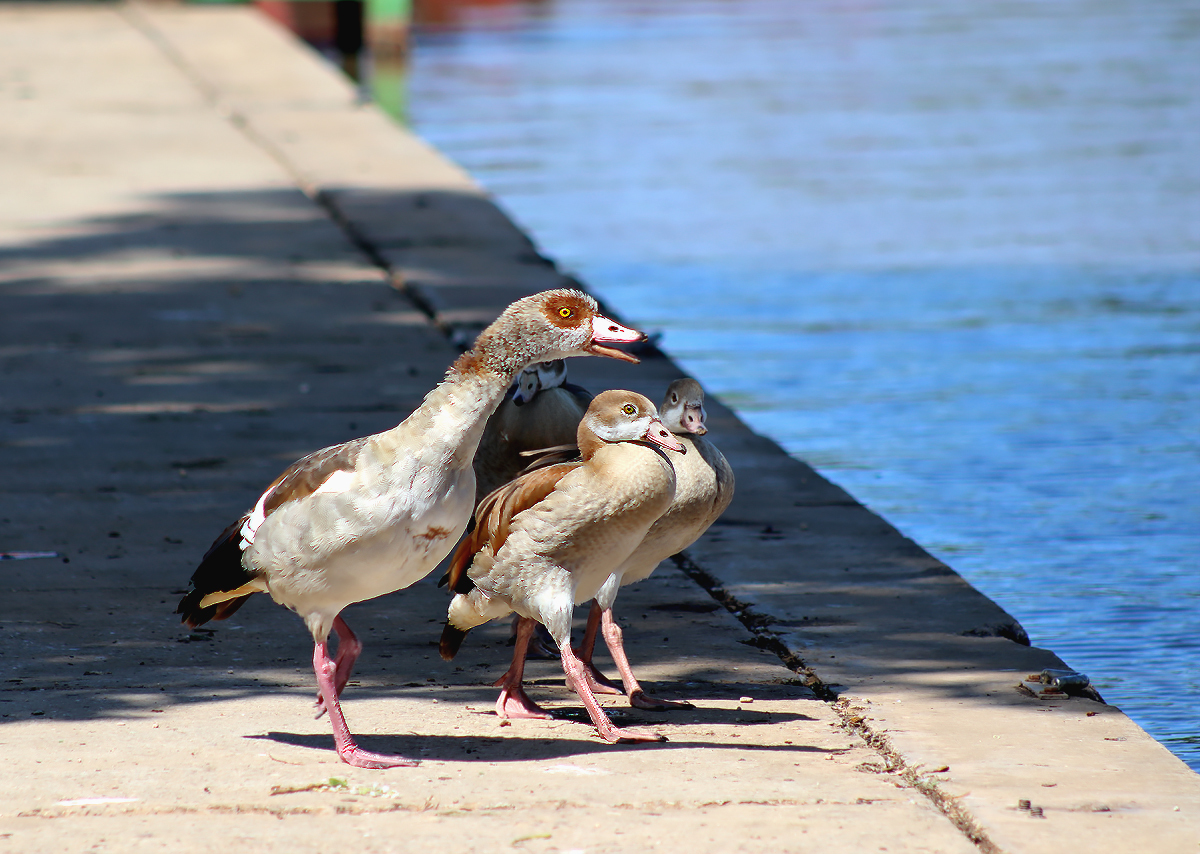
[(509, 749)]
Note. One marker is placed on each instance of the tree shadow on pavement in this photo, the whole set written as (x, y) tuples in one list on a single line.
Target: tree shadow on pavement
[(161, 366)]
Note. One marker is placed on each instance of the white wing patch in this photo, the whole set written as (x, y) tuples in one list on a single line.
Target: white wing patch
[(339, 481), (250, 526)]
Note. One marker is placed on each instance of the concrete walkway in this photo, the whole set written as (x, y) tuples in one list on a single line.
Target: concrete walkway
[(212, 261)]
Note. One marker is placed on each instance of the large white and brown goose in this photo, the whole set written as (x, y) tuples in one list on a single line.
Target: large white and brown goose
[(553, 536), (376, 514)]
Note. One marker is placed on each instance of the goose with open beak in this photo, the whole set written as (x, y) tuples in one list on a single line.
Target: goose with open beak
[(376, 514)]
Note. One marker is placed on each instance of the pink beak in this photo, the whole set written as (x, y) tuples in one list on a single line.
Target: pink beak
[(693, 420), (659, 435), (607, 331)]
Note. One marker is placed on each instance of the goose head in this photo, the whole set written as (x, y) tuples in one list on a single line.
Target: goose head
[(526, 386), (683, 407), (551, 325), (623, 416), (540, 376)]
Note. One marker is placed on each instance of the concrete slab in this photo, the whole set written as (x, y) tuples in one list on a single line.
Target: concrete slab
[(213, 259)]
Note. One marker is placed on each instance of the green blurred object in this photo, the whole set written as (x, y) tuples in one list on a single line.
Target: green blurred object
[(387, 79)]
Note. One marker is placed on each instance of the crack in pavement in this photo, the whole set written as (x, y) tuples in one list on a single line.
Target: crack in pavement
[(852, 720)]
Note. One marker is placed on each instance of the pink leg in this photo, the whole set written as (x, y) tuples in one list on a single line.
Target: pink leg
[(638, 698), (597, 681), (348, 650), (577, 679), (513, 701), (326, 670), (541, 645)]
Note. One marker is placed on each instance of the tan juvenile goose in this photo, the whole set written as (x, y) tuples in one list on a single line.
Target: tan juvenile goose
[(376, 514), (704, 487), (552, 537)]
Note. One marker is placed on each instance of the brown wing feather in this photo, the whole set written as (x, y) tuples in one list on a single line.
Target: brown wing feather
[(495, 513), (456, 575), (544, 457), (305, 476), (517, 496)]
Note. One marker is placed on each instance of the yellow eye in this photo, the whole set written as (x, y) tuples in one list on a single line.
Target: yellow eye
[(565, 312), (629, 409)]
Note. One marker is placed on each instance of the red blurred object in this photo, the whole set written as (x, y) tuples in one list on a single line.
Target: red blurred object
[(315, 22), (462, 14)]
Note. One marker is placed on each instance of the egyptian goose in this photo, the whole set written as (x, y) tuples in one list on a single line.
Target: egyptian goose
[(703, 489), (376, 514), (553, 536), (542, 410)]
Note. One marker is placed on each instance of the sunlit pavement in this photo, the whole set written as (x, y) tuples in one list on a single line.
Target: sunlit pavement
[(213, 260)]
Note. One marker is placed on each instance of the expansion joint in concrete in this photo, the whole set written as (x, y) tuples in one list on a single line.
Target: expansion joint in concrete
[(854, 721), (133, 14), (757, 624), (320, 197), (851, 718)]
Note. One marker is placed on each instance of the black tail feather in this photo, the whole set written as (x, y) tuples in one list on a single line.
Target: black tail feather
[(452, 639), (220, 569)]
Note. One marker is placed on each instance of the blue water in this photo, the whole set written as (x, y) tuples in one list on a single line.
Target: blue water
[(947, 253)]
